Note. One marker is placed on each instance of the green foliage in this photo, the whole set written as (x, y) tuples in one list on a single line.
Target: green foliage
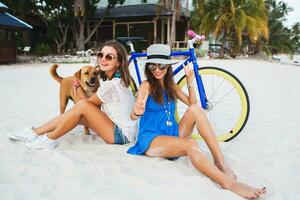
[(256, 22), (21, 8), (296, 35), (42, 50), (282, 39), (200, 53), (233, 19), (57, 15)]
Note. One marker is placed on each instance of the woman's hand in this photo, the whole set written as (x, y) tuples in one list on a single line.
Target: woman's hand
[(189, 79), (140, 103), (189, 74), (78, 91)]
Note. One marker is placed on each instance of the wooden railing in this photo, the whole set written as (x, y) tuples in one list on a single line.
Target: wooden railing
[(7, 55), (180, 45)]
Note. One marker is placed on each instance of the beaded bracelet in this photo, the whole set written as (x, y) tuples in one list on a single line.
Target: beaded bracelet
[(136, 114)]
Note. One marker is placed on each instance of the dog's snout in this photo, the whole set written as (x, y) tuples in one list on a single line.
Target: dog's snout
[(93, 80)]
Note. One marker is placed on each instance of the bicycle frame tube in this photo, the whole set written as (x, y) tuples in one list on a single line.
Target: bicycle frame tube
[(198, 79), (133, 57), (191, 58)]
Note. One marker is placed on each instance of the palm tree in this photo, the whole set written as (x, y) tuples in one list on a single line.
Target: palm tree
[(296, 36), (231, 18), (82, 11), (175, 6), (280, 36)]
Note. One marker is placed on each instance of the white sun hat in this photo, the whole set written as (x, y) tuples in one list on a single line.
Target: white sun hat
[(159, 54)]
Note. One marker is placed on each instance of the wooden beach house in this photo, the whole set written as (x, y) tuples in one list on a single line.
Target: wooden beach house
[(9, 24), (147, 20)]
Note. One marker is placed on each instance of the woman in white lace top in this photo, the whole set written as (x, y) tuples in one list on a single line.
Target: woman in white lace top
[(107, 112)]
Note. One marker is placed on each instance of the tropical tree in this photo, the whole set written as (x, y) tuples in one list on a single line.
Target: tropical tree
[(175, 7), (84, 10), (57, 17), (23, 9), (280, 35), (296, 36), (233, 19)]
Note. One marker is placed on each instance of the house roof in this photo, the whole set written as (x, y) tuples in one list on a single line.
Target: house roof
[(3, 7), (139, 10), (8, 21)]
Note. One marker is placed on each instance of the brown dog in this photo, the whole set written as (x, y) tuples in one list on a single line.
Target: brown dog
[(89, 82)]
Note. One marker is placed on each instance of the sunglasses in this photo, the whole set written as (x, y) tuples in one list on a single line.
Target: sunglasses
[(107, 57), (153, 66)]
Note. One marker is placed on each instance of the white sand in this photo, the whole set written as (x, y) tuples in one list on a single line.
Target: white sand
[(266, 153), (287, 59)]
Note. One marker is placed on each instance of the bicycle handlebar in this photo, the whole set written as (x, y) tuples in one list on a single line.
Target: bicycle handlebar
[(194, 38)]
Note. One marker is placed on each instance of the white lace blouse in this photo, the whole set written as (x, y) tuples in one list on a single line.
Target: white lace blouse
[(117, 104)]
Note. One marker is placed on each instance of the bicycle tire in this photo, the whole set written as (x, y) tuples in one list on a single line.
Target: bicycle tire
[(226, 125), (133, 86)]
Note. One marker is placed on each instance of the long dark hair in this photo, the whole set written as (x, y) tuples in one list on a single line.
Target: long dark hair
[(122, 58), (156, 89)]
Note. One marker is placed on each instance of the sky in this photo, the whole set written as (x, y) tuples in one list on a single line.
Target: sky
[(293, 16)]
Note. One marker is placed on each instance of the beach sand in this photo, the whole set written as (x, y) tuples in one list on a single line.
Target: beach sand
[(84, 167)]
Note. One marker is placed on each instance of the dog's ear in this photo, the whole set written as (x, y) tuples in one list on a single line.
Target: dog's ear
[(78, 74), (97, 68)]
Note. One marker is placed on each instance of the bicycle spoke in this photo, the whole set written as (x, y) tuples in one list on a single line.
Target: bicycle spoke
[(214, 91), (228, 102)]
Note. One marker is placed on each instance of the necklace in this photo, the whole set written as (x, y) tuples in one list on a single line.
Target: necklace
[(168, 113)]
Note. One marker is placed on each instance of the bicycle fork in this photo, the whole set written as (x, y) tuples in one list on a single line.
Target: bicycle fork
[(200, 86)]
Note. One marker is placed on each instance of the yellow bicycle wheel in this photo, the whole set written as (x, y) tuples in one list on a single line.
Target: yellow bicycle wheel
[(227, 99), (133, 86)]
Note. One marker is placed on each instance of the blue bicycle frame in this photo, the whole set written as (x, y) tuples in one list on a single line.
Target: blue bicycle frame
[(191, 58)]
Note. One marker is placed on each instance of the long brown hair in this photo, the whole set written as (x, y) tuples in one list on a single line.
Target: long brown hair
[(122, 58), (156, 89)]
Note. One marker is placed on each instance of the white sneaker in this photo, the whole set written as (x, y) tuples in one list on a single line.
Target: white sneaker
[(28, 135), (41, 142)]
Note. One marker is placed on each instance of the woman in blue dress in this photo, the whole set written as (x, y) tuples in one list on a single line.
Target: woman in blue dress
[(161, 136)]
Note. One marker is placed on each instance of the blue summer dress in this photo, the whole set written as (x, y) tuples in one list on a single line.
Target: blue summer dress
[(154, 123)]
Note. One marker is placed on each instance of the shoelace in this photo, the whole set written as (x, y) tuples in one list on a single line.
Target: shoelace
[(39, 140), (26, 134)]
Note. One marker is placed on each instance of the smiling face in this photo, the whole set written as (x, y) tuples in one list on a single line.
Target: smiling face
[(108, 60), (158, 70), (160, 78), (89, 76)]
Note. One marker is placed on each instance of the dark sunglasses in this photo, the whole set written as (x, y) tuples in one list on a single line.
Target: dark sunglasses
[(107, 57), (153, 66)]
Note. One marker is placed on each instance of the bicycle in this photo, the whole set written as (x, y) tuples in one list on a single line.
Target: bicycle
[(221, 94)]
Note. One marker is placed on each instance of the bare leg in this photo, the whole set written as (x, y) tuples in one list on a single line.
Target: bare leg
[(86, 112), (168, 147), (196, 116), (49, 126)]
